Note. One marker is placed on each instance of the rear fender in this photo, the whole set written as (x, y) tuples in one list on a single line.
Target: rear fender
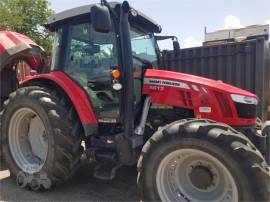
[(77, 95)]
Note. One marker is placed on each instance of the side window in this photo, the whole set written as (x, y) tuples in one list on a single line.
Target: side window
[(89, 58), (143, 51), (143, 47)]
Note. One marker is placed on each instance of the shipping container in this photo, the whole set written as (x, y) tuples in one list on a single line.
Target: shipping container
[(242, 64), (234, 35)]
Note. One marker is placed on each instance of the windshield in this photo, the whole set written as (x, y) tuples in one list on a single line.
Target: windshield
[(143, 47)]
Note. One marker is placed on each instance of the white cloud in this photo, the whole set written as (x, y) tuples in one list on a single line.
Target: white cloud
[(191, 42), (267, 22), (232, 22)]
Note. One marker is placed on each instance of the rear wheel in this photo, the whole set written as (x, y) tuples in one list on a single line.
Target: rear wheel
[(199, 160), (41, 137)]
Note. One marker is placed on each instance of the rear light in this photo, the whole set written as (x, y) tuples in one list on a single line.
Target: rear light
[(224, 104)]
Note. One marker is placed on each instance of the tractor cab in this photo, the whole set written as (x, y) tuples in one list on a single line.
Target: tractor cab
[(88, 53), (110, 51)]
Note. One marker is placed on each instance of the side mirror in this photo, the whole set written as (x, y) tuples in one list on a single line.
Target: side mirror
[(101, 19), (176, 47)]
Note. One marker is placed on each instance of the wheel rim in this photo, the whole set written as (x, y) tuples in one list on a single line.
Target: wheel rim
[(194, 175), (28, 141)]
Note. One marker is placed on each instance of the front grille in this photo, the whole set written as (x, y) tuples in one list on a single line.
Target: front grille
[(246, 111)]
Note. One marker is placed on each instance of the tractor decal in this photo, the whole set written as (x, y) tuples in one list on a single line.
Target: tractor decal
[(163, 82)]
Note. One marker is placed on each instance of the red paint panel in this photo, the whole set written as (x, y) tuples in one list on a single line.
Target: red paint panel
[(77, 95), (10, 39)]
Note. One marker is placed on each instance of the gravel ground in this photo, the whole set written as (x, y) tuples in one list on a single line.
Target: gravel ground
[(81, 187)]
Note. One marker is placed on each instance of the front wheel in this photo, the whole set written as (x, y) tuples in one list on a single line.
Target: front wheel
[(199, 160)]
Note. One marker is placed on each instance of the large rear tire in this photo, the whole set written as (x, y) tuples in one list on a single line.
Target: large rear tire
[(41, 137), (200, 160)]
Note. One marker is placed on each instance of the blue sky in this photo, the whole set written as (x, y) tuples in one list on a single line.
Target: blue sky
[(186, 18)]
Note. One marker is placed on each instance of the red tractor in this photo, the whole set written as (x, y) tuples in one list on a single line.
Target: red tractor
[(105, 99)]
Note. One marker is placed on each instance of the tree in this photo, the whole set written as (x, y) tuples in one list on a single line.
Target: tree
[(27, 17)]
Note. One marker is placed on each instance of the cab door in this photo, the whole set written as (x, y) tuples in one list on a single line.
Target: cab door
[(89, 58)]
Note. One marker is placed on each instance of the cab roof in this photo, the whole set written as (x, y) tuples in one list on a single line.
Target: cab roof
[(140, 19)]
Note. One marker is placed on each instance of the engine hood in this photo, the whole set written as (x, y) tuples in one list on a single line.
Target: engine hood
[(189, 81), (17, 46)]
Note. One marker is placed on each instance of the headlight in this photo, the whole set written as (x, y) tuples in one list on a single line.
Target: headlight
[(244, 99)]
